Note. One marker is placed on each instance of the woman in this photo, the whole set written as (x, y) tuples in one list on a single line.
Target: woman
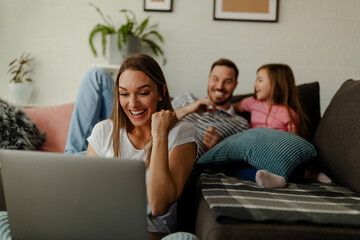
[(143, 126)]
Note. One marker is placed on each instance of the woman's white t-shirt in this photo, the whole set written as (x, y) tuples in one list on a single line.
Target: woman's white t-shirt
[(101, 141)]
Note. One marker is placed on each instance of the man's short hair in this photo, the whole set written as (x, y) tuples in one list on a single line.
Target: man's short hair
[(228, 63)]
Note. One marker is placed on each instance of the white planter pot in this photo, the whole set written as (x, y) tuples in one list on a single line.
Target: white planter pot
[(20, 92), (114, 53), (133, 46)]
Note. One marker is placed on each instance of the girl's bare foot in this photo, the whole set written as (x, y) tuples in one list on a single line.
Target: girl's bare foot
[(268, 180), (317, 176)]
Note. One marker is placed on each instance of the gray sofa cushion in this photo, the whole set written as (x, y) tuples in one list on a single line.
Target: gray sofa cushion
[(337, 138)]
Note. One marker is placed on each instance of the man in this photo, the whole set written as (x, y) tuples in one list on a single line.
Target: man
[(213, 115), (214, 119)]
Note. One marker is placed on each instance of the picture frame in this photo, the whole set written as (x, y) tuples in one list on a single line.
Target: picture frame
[(158, 5), (246, 10)]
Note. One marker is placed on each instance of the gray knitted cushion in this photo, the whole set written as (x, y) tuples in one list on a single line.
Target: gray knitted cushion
[(17, 131)]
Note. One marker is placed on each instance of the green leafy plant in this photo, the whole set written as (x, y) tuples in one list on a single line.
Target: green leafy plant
[(19, 68), (142, 30)]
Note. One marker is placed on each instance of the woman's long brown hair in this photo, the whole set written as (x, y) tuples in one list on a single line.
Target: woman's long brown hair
[(147, 65), (283, 92)]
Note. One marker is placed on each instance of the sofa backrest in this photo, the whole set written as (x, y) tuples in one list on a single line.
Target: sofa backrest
[(337, 138), (309, 97)]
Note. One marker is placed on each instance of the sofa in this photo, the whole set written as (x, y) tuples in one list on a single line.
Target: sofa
[(228, 207), (336, 137)]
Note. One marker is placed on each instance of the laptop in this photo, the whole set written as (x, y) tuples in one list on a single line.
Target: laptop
[(59, 196)]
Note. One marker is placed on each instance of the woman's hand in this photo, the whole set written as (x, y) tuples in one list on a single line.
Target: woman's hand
[(161, 122)]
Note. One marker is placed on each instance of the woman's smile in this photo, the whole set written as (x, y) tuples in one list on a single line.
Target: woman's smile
[(138, 113)]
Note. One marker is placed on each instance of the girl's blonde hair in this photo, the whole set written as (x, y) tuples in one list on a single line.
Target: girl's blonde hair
[(147, 65), (283, 92)]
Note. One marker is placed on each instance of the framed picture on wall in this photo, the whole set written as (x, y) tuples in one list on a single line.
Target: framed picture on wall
[(246, 10), (158, 5)]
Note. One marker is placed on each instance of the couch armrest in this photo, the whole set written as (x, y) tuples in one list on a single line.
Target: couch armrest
[(337, 137)]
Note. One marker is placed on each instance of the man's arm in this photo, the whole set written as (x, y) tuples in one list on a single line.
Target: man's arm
[(199, 106)]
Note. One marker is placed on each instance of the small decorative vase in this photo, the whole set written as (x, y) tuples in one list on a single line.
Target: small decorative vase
[(20, 92)]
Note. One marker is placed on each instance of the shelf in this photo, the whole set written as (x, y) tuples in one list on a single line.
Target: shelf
[(113, 69)]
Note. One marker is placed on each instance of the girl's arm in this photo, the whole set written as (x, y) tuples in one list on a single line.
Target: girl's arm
[(238, 108), (168, 171)]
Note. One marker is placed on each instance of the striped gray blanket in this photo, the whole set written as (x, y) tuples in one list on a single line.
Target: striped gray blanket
[(232, 199)]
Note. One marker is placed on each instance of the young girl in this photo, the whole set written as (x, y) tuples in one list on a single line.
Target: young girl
[(275, 105)]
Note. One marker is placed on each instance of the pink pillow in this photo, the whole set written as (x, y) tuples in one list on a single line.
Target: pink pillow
[(54, 121)]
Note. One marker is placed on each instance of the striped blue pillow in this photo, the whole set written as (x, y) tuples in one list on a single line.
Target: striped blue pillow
[(276, 151)]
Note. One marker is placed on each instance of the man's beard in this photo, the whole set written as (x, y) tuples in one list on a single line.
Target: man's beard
[(222, 103)]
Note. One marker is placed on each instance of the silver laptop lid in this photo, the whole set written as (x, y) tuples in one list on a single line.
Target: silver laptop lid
[(58, 196)]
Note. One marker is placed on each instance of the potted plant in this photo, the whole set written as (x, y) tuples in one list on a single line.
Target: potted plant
[(20, 84), (129, 36)]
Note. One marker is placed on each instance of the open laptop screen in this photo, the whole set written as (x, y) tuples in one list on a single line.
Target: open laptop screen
[(58, 196)]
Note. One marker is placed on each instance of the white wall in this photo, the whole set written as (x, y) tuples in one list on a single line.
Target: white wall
[(319, 39)]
